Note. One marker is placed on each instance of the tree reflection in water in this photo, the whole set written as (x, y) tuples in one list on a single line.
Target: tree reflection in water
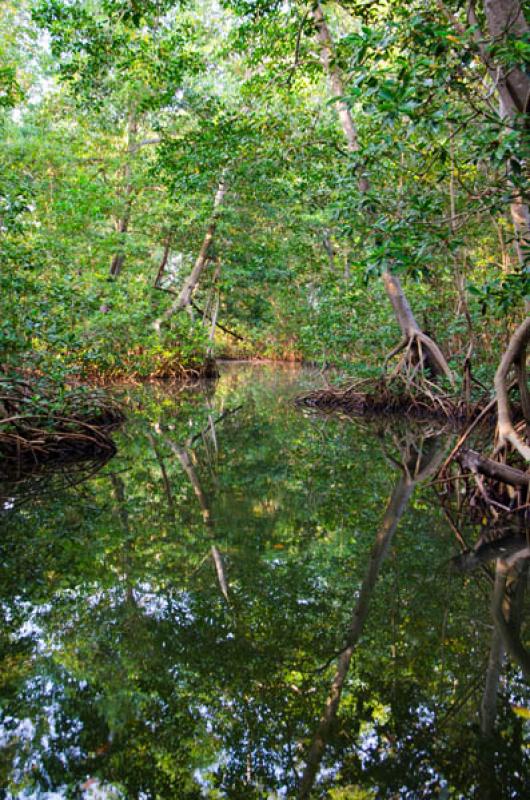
[(210, 616)]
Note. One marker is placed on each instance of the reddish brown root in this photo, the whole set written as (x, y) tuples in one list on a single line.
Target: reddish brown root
[(170, 370), (68, 440), (30, 437), (514, 356), (383, 397)]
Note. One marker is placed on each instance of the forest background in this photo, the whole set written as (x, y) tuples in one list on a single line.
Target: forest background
[(173, 169)]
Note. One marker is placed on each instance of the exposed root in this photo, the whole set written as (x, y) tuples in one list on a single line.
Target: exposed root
[(487, 491), (38, 445), (508, 546), (33, 432), (422, 354), (162, 370), (22, 482), (515, 356), (495, 490), (410, 397), (410, 388)]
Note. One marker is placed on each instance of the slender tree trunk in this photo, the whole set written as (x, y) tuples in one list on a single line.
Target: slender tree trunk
[(407, 322), (330, 250), (487, 778), (505, 615), (488, 705), (392, 284), (165, 476), (505, 255), (128, 544), (185, 297), (221, 572), (507, 599), (505, 19), (396, 506), (200, 263), (122, 224), (413, 472), (520, 214), (462, 305), (211, 311), (334, 73), (187, 465), (119, 493), (347, 272), (519, 210), (515, 355), (410, 329), (163, 262)]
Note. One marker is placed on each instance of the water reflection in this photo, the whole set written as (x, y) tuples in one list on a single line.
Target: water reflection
[(250, 603), (421, 456)]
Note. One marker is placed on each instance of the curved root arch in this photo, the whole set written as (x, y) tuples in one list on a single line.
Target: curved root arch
[(514, 356), (417, 345)]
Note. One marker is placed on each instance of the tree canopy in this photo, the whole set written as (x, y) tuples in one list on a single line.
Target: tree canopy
[(119, 120)]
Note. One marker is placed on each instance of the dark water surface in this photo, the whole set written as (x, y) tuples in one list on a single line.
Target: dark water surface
[(252, 602)]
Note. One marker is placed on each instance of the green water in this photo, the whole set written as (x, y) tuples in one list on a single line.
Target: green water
[(174, 623)]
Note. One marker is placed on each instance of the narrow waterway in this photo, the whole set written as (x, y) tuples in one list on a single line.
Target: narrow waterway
[(249, 601)]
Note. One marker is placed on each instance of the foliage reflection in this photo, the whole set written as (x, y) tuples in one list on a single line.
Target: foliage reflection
[(249, 603)]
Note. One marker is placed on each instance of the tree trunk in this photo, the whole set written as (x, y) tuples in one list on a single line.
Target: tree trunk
[(505, 19), (507, 548), (185, 297), (200, 263), (411, 331), (122, 224), (333, 71), (165, 477), (163, 262), (507, 623), (474, 462), (330, 250), (187, 465), (128, 543), (405, 318), (519, 211), (396, 506), (396, 295), (487, 779), (488, 705), (394, 511), (221, 573), (514, 355), (520, 214)]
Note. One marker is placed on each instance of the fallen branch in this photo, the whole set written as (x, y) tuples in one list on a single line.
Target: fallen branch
[(466, 434), (473, 461)]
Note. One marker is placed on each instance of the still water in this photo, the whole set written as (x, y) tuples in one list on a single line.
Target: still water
[(249, 601)]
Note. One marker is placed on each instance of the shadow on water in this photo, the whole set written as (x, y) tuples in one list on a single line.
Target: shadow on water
[(247, 602)]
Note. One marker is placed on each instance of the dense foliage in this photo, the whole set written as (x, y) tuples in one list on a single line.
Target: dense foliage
[(182, 179), (119, 119)]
